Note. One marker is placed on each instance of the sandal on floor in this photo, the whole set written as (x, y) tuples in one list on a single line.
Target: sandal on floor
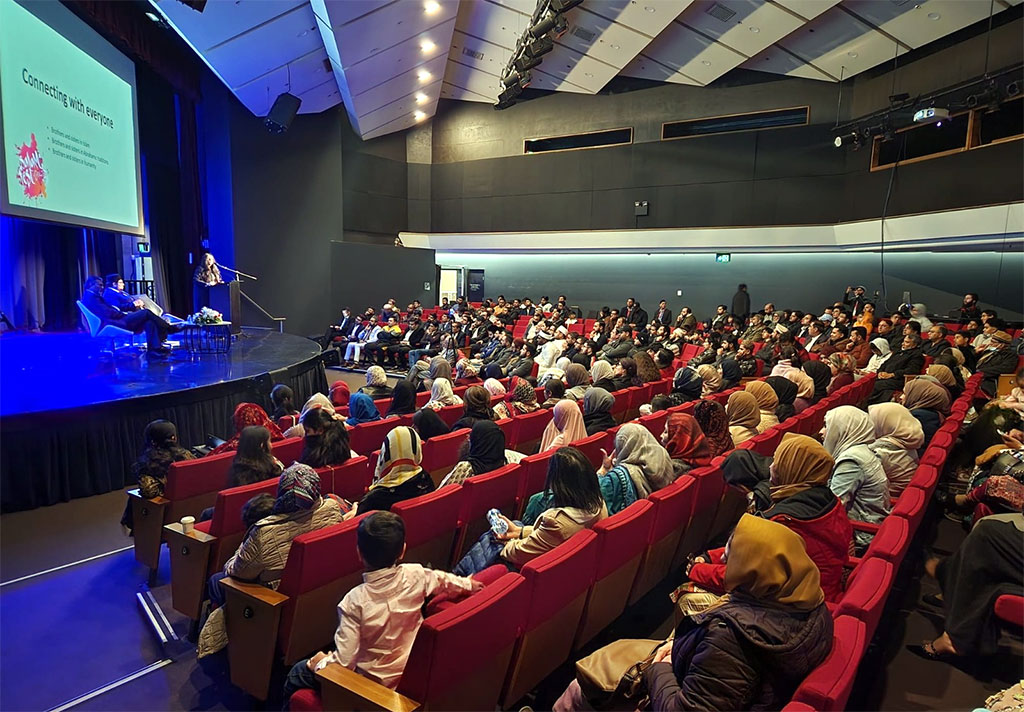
[(927, 651)]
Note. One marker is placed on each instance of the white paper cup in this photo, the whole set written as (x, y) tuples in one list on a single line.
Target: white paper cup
[(188, 524)]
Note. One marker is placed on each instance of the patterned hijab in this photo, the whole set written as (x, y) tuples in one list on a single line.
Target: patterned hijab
[(685, 440), (297, 490), (714, 422), (441, 393), (688, 383), (247, 414), (399, 460), (521, 395), (375, 376), (800, 463), (362, 409)]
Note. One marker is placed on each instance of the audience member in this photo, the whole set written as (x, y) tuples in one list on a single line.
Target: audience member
[(554, 391), (821, 376), (161, 448), (248, 414), (686, 386), (327, 442), (909, 361), (398, 475), (486, 452), (282, 396), (880, 351), (785, 392), (767, 404), (340, 394), (403, 400), (685, 443), (744, 416), (376, 383), (714, 423), (521, 398), (317, 400), (428, 424), (597, 411), (642, 458), (929, 402), (578, 381), (898, 437), (254, 461), (361, 409), (566, 426), (841, 365), (441, 395), (477, 407), (998, 359)]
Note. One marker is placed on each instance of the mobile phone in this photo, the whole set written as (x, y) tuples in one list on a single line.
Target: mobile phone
[(498, 525)]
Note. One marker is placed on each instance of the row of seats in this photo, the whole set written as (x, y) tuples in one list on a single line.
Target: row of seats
[(572, 593), (872, 577)]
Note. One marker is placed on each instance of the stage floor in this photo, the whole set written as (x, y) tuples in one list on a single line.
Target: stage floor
[(47, 372)]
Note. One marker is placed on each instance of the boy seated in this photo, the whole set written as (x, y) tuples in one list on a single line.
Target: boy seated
[(379, 619)]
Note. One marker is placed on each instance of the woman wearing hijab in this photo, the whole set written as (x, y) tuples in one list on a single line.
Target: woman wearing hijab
[(686, 386), (959, 369), (749, 473), (439, 368), (646, 369), (254, 461), (685, 443), (566, 426), (601, 374), (247, 414), (398, 475), (641, 457), (804, 390), (376, 383), (800, 500), (752, 648), (477, 408), (821, 375), (403, 400), (361, 409), (898, 437), (842, 366), (441, 395), (731, 374), (486, 453), (161, 449), (858, 479), (929, 403), (711, 378), (428, 424), (340, 394), (880, 351), (317, 400), (326, 443), (744, 416), (946, 376), (714, 423), (501, 409), (785, 391), (597, 411), (578, 381), (521, 398), (767, 402)]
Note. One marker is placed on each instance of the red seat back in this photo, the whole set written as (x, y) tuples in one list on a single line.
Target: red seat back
[(828, 686), (867, 591), (189, 478), (531, 427), (422, 398), (227, 513), (621, 404), (442, 452), (451, 413), (289, 450), (655, 422), (622, 536), (498, 489), (368, 437), (591, 447), (533, 476), (431, 521), (890, 542), (352, 478)]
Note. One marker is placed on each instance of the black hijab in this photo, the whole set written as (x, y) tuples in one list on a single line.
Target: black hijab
[(429, 424), (821, 375), (731, 374), (486, 447), (786, 392), (747, 470), (403, 399)]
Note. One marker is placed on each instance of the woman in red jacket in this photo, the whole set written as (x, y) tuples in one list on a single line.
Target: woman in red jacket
[(801, 500)]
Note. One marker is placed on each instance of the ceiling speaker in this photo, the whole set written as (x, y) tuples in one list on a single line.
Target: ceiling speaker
[(282, 112)]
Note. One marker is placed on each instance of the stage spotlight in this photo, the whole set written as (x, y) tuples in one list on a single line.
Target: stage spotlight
[(523, 79), (850, 139), (511, 92), (564, 5), (540, 47), (561, 27), (1013, 89), (523, 64), (544, 26)]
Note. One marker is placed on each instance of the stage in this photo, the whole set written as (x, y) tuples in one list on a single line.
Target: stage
[(71, 418)]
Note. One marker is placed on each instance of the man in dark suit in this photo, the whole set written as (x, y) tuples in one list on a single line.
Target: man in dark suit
[(907, 362), (634, 313), (855, 298), (741, 302), (136, 322), (664, 315), (345, 328)]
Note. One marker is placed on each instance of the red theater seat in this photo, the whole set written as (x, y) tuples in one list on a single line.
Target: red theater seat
[(431, 523), (440, 454), (673, 509), (1010, 609), (828, 686), (532, 478), (531, 427), (866, 592), (592, 446), (494, 490)]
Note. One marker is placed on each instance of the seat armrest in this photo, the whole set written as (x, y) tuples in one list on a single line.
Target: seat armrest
[(201, 536), (155, 500), (254, 592), (343, 689)]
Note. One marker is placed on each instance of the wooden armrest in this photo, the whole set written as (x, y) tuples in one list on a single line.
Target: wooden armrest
[(155, 500), (343, 689), (203, 537), (260, 593)]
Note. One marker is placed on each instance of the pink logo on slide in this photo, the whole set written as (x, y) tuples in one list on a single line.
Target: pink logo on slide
[(31, 174)]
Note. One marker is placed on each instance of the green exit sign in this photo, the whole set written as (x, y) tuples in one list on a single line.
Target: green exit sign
[(723, 257)]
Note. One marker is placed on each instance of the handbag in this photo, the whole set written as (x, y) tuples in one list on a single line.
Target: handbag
[(1006, 491), (612, 677)]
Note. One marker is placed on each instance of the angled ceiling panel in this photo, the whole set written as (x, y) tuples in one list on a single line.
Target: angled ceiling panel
[(918, 23), (746, 26)]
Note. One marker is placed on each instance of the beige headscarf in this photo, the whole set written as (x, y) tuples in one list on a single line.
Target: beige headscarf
[(711, 377), (804, 383), (847, 426), (566, 426), (441, 395), (942, 374), (742, 410), (600, 369), (636, 447), (894, 423), (921, 393), (765, 395)]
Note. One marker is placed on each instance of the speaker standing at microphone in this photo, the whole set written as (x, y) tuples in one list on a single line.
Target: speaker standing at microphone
[(207, 275)]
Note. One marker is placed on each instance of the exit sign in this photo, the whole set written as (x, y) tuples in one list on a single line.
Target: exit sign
[(723, 257)]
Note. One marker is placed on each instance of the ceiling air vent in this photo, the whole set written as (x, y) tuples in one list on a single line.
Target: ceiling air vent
[(721, 12), (583, 33), (470, 53)]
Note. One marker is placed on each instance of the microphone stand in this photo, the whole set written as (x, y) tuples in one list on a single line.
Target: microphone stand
[(279, 319)]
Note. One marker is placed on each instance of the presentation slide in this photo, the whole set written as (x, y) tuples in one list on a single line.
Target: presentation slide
[(68, 113)]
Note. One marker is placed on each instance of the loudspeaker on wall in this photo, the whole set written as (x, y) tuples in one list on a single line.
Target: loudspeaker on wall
[(282, 112)]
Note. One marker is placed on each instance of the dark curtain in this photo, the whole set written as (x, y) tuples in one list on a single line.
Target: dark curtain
[(45, 267)]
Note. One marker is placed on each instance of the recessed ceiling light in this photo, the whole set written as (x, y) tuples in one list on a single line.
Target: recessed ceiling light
[(303, 33), (423, 75), (420, 97), (706, 63), (615, 47), (587, 74), (648, 8), (427, 46), (934, 16), (419, 115), (755, 30), (852, 54), (431, 6), (153, 16)]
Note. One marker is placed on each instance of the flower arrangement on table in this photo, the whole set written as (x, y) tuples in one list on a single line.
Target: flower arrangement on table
[(206, 316)]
